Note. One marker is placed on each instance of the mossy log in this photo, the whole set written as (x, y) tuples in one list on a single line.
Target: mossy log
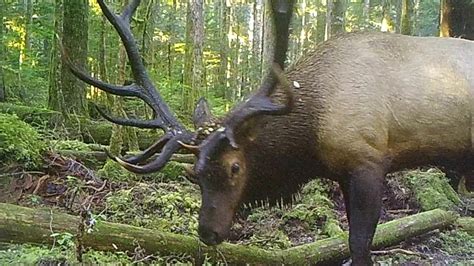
[(90, 131), (466, 224), (25, 225)]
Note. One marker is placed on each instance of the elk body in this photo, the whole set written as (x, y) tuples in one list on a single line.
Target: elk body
[(360, 106)]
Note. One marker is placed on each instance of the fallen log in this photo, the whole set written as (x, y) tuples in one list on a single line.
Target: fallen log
[(466, 224), (25, 225), (90, 131)]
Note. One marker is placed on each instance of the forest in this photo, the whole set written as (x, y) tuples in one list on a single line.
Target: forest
[(63, 200)]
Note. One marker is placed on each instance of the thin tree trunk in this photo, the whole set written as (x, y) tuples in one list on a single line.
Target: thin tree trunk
[(55, 99), (320, 22), (329, 17), (28, 25), (406, 17), (338, 17), (302, 38), (366, 13), (268, 40), (3, 55), (224, 7), (198, 80), (257, 41)]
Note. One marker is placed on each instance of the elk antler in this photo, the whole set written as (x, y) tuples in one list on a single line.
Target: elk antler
[(144, 89)]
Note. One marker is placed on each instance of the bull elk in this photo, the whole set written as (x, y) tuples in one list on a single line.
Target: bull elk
[(359, 106)]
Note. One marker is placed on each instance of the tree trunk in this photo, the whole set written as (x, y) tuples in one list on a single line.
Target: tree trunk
[(2, 52), (55, 99), (257, 42), (320, 22), (194, 66), (338, 17), (224, 10), (28, 25), (406, 17), (366, 13), (75, 36), (457, 19), (268, 40), (25, 225), (329, 11)]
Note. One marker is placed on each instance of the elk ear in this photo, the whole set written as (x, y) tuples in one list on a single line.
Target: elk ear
[(202, 113)]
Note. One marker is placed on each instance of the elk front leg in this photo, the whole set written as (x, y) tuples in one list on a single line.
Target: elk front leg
[(363, 195)]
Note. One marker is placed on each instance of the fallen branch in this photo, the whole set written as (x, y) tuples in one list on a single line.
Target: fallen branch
[(25, 225)]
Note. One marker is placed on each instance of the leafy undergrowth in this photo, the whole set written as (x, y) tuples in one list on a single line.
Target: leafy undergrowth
[(168, 202)]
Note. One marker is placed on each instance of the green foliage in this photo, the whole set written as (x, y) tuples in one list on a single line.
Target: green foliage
[(114, 172), (432, 189), (169, 207), (69, 145), (172, 171), (30, 115), (316, 209), (457, 242), (19, 142), (42, 255)]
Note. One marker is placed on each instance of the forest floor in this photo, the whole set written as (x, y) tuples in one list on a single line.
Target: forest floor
[(168, 202)]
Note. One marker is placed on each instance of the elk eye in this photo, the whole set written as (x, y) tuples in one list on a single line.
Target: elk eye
[(235, 168)]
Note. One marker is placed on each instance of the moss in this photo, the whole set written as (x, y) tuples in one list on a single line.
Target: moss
[(43, 255), (316, 209), (114, 172), (270, 239), (28, 114), (457, 242), (19, 142), (432, 189), (169, 207), (74, 145), (172, 171)]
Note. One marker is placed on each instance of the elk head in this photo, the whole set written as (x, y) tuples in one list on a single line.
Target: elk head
[(221, 168)]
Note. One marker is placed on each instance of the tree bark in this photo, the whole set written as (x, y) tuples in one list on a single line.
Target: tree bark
[(406, 17), (194, 80), (2, 52), (366, 13), (268, 39), (457, 19), (257, 42), (55, 99), (75, 36), (338, 17), (25, 225), (224, 10)]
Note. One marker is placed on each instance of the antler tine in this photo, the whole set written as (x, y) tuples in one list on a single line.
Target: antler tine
[(148, 92), (154, 148), (168, 150), (151, 124)]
